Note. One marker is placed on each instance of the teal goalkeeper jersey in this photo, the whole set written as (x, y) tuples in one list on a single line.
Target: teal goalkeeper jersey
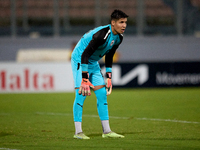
[(95, 44)]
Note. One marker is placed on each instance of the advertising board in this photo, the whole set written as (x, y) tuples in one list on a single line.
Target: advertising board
[(57, 77)]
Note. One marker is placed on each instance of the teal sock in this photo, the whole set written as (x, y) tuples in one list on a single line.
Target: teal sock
[(102, 105), (78, 106)]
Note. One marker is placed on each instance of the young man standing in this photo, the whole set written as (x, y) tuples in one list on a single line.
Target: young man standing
[(103, 40)]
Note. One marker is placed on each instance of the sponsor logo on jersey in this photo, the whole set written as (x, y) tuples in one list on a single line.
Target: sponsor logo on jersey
[(112, 42)]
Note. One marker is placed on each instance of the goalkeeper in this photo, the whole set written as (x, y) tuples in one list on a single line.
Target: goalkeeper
[(96, 43)]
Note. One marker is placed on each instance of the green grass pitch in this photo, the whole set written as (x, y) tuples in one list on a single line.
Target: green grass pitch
[(149, 118)]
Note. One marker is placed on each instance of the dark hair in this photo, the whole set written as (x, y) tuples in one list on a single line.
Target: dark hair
[(118, 14)]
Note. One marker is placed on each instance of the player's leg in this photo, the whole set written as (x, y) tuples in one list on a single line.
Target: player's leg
[(78, 102), (102, 106), (77, 112), (97, 80)]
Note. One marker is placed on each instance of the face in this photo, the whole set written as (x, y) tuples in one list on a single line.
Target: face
[(119, 26)]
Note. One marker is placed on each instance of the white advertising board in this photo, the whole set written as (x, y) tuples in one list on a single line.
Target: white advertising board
[(36, 77)]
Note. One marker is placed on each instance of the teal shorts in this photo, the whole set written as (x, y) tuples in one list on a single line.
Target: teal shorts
[(95, 75)]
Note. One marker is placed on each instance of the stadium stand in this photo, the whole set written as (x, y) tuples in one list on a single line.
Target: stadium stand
[(78, 12), (44, 8)]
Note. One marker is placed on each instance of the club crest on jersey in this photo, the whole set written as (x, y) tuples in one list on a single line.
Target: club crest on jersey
[(112, 42)]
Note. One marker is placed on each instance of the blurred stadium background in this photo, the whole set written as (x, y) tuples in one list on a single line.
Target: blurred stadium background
[(64, 17), (161, 33)]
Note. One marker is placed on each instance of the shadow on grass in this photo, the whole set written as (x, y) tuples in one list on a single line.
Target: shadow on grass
[(5, 134), (123, 133)]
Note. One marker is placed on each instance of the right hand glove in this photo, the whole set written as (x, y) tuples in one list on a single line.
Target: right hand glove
[(85, 86)]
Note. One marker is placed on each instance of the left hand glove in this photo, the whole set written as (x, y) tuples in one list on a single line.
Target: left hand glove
[(108, 83)]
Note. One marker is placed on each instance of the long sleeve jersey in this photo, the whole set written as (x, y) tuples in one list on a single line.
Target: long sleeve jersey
[(95, 44)]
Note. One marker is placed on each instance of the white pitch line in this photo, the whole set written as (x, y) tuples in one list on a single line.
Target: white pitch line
[(8, 149), (168, 120), (114, 117), (65, 114)]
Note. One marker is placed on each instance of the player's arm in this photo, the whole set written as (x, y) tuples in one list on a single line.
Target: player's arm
[(96, 41), (109, 56), (108, 64)]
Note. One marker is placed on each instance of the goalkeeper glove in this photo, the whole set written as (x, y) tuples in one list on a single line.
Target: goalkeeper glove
[(85, 85), (108, 83)]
